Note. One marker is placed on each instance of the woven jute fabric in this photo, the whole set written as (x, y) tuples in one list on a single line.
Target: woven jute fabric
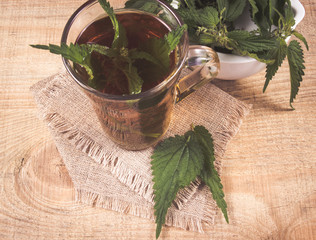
[(107, 176)]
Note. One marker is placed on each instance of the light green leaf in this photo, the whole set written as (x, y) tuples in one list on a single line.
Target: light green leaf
[(296, 63), (173, 38), (207, 39), (104, 50), (207, 16), (301, 37), (176, 163), (79, 54), (209, 175)]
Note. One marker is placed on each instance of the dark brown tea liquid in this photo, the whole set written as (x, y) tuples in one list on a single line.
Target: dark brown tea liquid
[(139, 28), (133, 124)]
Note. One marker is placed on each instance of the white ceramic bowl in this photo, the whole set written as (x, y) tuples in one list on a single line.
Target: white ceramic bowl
[(236, 67)]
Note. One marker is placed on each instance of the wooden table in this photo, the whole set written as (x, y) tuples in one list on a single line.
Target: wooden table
[(269, 170)]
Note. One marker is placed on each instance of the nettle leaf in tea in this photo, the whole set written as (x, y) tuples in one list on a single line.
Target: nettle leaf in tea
[(124, 53)]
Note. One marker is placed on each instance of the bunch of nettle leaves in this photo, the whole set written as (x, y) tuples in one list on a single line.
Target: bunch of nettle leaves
[(211, 22)]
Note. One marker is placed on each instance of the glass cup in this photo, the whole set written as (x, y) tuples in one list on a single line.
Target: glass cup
[(139, 121)]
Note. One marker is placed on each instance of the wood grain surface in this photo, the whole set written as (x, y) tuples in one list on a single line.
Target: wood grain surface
[(269, 170)]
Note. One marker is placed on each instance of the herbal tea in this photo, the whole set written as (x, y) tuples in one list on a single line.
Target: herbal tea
[(141, 28), (133, 124), (126, 52)]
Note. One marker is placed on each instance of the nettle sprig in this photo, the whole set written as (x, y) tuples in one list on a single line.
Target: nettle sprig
[(293, 51), (212, 23)]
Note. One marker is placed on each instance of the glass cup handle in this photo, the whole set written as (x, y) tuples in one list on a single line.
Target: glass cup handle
[(204, 65)]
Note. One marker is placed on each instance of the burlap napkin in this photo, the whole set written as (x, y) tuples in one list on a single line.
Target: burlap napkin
[(107, 176)]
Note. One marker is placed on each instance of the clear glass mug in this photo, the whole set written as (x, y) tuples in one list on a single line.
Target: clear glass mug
[(139, 121)]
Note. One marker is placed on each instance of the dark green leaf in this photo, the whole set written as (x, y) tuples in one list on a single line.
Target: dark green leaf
[(40, 46), (261, 16), (159, 49), (209, 17), (190, 16), (134, 54), (135, 82), (232, 9), (252, 42), (278, 54), (190, 3), (176, 163), (272, 14), (289, 15), (209, 174), (120, 39), (254, 8), (296, 63)]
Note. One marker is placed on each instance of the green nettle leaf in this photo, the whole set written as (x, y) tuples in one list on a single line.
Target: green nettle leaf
[(296, 64), (179, 160), (134, 54), (278, 54), (209, 175), (190, 3), (254, 8), (232, 9), (252, 42), (159, 49), (135, 82), (104, 50), (208, 17), (301, 37), (261, 18), (176, 163), (144, 5), (120, 39), (173, 38), (191, 16), (76, 53), (272, 6), (289, 15), (207, 39)]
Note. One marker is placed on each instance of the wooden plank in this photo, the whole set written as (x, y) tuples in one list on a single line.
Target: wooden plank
[(269, 170)]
